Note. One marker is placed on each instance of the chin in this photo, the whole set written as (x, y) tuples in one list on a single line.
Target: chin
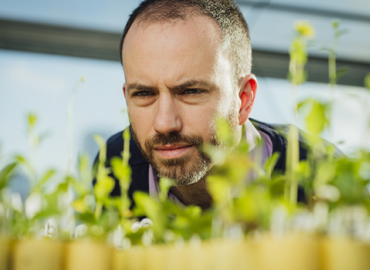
[(184, 172)]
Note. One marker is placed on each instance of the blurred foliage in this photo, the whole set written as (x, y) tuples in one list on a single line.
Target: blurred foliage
[(367, 81), (247, 198), (298, 52)]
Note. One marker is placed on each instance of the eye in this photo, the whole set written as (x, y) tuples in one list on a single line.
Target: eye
[(142, 94), (192, 91)]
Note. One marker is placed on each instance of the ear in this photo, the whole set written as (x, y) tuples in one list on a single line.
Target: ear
[(124, 90), (247, 94)]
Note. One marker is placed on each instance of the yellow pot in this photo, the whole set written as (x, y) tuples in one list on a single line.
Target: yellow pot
[(197, 257), (133, 259), (4, 253), (209, 255), (290, 252), (185, 257), (231, 254), (176, 258), (156, 258), (345, 254), (120, 258), (34, 254), (81, 255)]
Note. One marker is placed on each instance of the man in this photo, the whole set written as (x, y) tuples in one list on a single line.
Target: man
[(186, 62)]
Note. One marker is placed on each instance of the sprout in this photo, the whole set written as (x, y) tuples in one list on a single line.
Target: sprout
[(305, 29)]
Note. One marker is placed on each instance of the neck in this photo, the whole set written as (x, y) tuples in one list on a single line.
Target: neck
[(194, 194)]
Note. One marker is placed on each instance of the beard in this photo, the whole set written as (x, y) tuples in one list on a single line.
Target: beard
[(188, 169), (184, 170)]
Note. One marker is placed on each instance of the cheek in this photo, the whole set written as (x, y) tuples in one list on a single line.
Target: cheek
[(199, 120), (142, 123), (227, 104)]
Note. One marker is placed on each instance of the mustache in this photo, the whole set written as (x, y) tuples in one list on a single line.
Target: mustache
[(172, 138)]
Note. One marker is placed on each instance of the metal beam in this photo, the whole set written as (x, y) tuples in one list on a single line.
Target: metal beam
[(332, 14), (32, 37), (276, 65)]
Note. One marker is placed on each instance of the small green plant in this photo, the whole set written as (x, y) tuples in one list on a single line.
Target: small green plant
[(171, 222), (6, 174), (249, 199), (95, 209), (297, 76), (28, 217)]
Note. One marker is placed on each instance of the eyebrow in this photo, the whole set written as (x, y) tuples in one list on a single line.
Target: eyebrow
[(140, 87), (190, 83)]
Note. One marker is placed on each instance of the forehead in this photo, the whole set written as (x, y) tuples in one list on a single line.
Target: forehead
[(173, 51)]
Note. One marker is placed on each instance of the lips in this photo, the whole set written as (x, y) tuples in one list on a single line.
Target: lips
[(172, 151)]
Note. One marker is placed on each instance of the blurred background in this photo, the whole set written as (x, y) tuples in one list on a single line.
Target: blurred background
[(47, 46)]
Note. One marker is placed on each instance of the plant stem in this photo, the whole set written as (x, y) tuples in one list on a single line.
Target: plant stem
[(333, 81), (295, 107), (126, 156), (98, 210), (291, 165)]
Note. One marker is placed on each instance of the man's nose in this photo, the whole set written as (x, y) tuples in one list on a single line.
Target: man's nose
[(167, 118)]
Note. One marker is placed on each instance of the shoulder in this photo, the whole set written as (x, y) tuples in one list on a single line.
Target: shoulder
[(278, 134), (115, 146)]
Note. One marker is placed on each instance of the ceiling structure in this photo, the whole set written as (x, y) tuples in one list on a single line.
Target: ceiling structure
[(91, 29)]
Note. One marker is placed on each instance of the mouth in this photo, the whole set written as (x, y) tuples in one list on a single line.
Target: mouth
[(172, 151)]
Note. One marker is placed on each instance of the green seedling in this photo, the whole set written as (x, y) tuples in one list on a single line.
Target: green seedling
[(297, 76), (41, 204), (245, 194)]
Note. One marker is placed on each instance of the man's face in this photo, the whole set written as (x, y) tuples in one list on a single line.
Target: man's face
[(177, 81)]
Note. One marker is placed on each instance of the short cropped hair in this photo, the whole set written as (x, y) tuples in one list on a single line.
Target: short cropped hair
[(234, 28)]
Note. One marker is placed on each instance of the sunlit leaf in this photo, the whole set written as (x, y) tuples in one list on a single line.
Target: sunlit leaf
[(304, 28), (194, 211), (145, 205), (121, 171), (63, 187), (270, 163), (5, 174), (80, 206), (87, 218), (223, 131), (21, 159), (317, 119), (47, 176), (219, 188), (250, 212), (164, 186), (342, 71), (103, 187), (32, 119), (367, 81), (44, 214)]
